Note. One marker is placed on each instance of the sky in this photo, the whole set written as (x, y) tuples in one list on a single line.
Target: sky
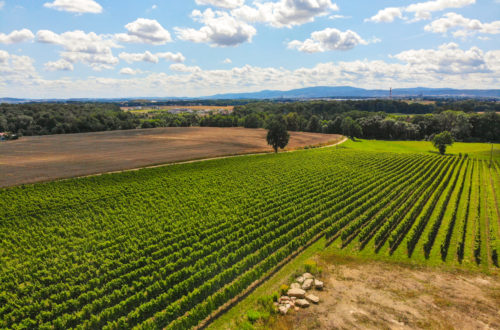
[(189, 48)]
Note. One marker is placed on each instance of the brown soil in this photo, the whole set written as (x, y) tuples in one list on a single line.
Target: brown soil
[(375, 295), (44, 158)]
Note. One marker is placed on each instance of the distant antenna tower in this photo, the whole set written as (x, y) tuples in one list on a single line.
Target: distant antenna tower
[(390, 93)]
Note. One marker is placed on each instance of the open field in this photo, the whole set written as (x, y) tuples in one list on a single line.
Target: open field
[(43, 158), (150, 108), (475, 150), (167, 246)]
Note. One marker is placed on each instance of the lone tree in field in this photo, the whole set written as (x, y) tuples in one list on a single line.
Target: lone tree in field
[(277, 136), (441, 140)]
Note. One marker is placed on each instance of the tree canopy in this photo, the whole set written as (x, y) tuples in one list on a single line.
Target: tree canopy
[(441, 140), (277, 135)]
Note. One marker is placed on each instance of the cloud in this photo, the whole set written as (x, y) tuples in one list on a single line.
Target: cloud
[(60, 65), (16, 70), (220, 29), (75, 6), (328, 39), (147, 31), (16, 36), (465, 26), (2, 4), (386, 15), (89, 48), (153, 7), (285, 13), (227, 61), (184, 68), (423, 10), (420, 10), (228, 4), (448, 64), (151, 58), (130, 71), (448, 58), (338, 16)]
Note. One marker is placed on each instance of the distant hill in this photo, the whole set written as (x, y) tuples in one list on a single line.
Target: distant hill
[(352, 92), (301, 93)]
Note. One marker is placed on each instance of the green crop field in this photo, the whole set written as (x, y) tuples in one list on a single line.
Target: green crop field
[(164, 247)]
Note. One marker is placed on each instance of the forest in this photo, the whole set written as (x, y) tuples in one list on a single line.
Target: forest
[(467, 120)]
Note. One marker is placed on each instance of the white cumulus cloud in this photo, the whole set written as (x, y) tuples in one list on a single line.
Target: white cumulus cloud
[(130, 71), (2, 4), (75, 6), (16, 36), (227, 61), (229, 4), (147, 56), (463, 26), (285, 13), (420, 10), (386, 15), (328, 39), (220, 29), (179, 67), (89, 48), (60, 65), (144, 30)]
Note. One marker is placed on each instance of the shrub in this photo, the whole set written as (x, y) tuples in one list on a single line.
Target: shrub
[(284, 289), (253, 316)]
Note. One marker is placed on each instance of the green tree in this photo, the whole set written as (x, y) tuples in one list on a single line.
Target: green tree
[(351, 128), (314, 124), (441, 140), (277, 136), (252, 121)]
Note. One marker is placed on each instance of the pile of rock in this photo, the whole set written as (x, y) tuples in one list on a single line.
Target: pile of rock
[(298, 296)]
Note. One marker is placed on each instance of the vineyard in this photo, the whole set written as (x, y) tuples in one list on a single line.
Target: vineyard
[(165, 247)]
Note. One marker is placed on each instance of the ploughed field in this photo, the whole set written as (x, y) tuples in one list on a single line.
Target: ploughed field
[(44, 158), (164, 247)]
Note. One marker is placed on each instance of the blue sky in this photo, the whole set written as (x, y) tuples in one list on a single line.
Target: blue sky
[(109, 48)]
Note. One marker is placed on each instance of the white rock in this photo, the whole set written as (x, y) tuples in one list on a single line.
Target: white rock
[(307, 275), (312, 298), (300, 279), (318, 285), (295, 286), (299, 293), (283, 310), (307, 285), (302, 303)]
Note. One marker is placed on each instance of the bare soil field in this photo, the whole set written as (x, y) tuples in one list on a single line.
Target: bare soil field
[(50, 157), (378, 295)]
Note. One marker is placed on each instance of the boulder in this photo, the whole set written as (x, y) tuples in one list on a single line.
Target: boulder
[(312, 298), (300, 279), (307, 285), (299, 293), (295, 286), (284, 298), (302, 303), (283, 310), (318, 285), (307, 275)]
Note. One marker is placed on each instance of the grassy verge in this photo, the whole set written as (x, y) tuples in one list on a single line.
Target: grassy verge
[(236, 315)]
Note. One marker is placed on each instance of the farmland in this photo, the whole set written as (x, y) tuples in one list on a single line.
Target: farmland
[(166, 246), (43, 158)]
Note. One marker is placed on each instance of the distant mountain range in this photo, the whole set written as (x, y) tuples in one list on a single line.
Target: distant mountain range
[(303, 93), (352, 92)]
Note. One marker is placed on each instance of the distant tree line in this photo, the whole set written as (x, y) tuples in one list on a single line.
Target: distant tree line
[(59, 118), (467, 120)]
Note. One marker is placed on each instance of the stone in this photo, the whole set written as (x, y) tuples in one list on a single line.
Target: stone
[(302, 303), (307, 285), (283, 310), (285, 298), (296, 308), (318, 285), (295, 286), (300, 279), (276, 304), (307, 275), (312, 298), (299, 293)]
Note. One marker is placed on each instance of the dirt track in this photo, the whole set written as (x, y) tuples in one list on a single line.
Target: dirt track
[(44, 158)]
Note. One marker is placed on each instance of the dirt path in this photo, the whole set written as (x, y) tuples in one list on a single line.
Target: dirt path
[(52, 157), (376, 295)]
